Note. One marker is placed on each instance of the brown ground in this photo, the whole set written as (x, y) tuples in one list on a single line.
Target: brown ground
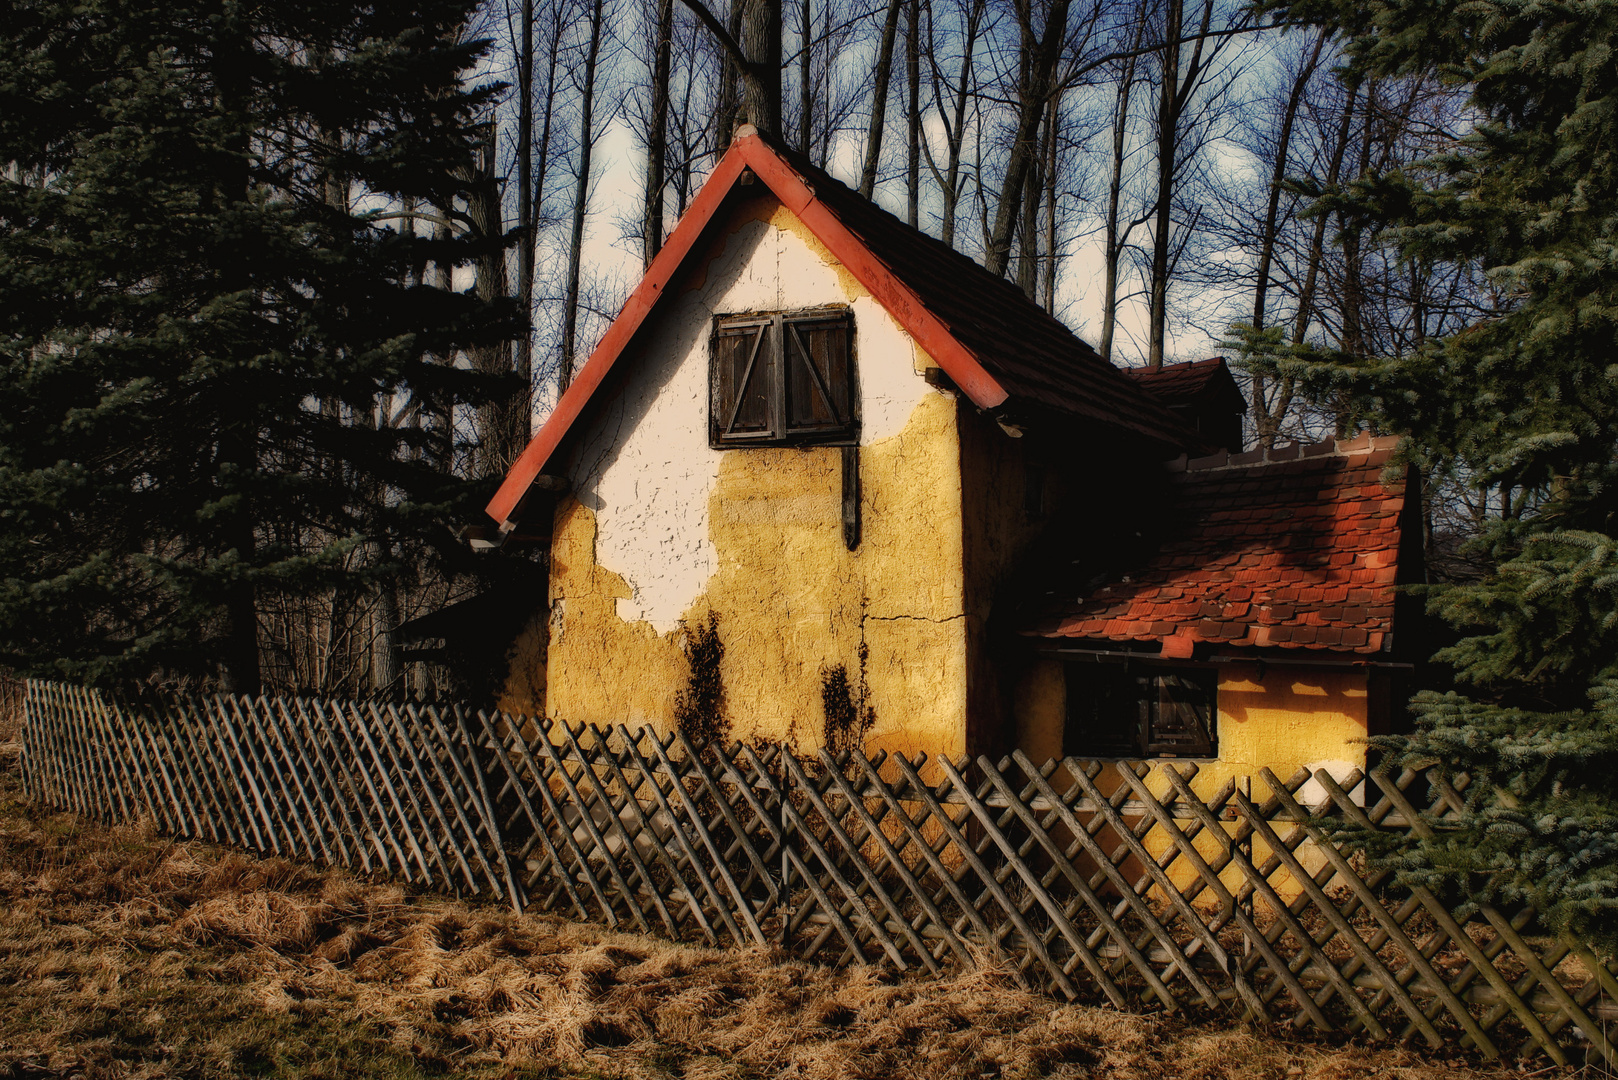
[(123, 954)]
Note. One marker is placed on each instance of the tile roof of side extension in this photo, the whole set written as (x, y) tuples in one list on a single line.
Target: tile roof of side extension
[(1296, 550), (1002, 350), (1183, 382)]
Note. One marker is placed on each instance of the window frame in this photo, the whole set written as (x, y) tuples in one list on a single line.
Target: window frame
[(1088, 689), (772, 351)]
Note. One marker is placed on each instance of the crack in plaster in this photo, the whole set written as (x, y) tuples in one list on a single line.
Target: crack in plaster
[(916, 618)]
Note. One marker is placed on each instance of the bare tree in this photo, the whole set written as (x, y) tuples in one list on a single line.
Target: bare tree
[(581, 193), (1263, 415), (1040, 50), (1179, 77), (913, 115), (879, 100), (658, 130), (953, 117), (1115, 230)]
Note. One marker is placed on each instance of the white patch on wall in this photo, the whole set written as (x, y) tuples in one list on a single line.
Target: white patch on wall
[(1313, 793), (646, 468)]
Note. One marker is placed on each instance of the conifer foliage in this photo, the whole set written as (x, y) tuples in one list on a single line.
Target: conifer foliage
[(1525, 401), (221, 377)]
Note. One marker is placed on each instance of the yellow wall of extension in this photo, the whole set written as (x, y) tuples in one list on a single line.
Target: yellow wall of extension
[(1292, 717), (791, 605)]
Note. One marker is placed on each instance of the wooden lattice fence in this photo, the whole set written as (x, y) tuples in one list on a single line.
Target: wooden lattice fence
[(1124, 882)]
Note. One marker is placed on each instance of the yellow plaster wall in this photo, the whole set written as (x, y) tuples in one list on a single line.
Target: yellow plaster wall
[(788, 599), (1292, 717)]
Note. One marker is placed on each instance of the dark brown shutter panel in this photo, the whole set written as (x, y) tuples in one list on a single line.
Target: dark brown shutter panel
[(742, 366), (819, 375), (1184, 714)]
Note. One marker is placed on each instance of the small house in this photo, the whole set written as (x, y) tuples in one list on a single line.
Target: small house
[(826, 480)]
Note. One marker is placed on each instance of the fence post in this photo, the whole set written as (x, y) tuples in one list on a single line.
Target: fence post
[(783, 793)]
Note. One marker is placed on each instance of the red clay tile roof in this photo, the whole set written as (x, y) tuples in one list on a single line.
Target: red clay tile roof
[(1004, 352), (1175, 384), (1296, 550)]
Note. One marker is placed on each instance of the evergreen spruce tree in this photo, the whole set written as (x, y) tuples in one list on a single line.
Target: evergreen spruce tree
[(206, 307), (1526, 401)]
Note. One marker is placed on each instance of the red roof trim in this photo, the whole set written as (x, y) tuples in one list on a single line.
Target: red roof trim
[(635, 309), (748, 151), (894, 295)]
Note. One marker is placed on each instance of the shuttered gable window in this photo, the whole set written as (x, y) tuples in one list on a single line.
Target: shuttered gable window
[(784, 379)]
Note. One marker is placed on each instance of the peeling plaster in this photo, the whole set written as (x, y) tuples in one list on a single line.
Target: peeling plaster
[(646, 468)]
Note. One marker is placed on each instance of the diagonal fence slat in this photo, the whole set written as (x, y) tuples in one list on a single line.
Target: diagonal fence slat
[(1140, 884)]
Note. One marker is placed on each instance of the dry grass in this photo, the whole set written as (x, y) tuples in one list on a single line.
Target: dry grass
[(125, 955)]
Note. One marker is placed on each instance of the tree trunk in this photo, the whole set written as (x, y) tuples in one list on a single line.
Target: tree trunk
[(1168, 122), (581, 199), (879, 101), (761, 42), (1028, 231), (521, 405), (1174, 93), (497, 437), (1353, 334), (725, 108), (440, 438), (238, 464), (1033, 91), (806, 85), (1317, 243), (657, 135), (956, 133), (1052, 131), (1266, 426), (913, 142), (1278, 174), (1116, 236)]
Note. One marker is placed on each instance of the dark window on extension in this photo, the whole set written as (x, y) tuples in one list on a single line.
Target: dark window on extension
[(1140, 711), (782, 380)]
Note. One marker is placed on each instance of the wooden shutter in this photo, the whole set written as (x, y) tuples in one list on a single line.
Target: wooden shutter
[(819, 375), (742, 398), (1182, 713), (781, 380)]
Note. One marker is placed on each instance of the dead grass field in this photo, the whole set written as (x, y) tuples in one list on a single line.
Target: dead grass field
[(123, 954)]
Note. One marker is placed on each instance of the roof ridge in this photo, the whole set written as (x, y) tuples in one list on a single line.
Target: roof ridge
[(1363, 443), (1146, 370)]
